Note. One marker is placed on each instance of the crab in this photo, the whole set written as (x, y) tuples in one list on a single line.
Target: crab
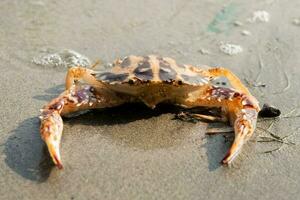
[(153, 80)]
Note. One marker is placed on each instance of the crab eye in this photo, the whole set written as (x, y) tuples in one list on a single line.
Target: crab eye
[(130, 81), (92, 89)]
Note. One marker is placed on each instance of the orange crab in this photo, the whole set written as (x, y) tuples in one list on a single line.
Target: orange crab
[(152, 80)]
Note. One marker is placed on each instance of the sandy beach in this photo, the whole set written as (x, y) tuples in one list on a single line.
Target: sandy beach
[(133, 152)]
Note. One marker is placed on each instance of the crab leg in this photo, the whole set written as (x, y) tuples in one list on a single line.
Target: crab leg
[(241, 110), (201, 117), (76, 74), (75, 99), (234, 80)]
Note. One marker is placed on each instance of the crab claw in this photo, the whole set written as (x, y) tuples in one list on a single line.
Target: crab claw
[(244, 127), (51, 132), (54, 152), (234, 150)]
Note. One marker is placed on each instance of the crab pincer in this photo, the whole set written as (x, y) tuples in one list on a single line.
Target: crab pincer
[(244, 123), (76, 98), (51, 130)]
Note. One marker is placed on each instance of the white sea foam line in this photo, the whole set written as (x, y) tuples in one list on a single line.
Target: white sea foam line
[(64, 58)]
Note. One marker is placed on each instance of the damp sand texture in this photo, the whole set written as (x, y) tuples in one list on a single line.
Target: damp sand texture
[(133, 152)]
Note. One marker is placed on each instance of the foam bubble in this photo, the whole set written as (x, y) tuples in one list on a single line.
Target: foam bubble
[(259, 16), (65, 58), (230, 49)]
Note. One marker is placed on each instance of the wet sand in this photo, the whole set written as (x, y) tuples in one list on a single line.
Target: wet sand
[(133, 152)]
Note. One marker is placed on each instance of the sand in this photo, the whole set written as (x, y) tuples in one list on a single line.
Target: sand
[(133, 152)]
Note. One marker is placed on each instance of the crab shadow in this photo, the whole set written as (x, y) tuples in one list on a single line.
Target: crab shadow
[(135, 125), (216, 146), (26, 153)]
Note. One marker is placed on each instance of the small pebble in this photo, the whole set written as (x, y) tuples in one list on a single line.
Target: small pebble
[(269, 111), (246, 33), (296, 22), (238, 23), (204, 51)]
